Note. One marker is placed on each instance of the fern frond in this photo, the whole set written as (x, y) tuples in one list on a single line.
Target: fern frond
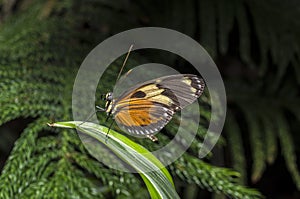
[(235, 143), (219, 180), (257, 142), (288, 147), (267, 124)]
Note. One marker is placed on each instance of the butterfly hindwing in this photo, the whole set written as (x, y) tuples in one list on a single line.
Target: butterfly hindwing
[(146, 118), (148, 107)]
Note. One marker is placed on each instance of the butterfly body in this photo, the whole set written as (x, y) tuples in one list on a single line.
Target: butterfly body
[(146, 108)]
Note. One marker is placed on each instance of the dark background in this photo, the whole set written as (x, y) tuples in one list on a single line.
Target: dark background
[(255, 44)]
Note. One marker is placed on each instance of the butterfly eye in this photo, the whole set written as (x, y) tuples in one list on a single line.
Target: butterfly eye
[(108, 96)]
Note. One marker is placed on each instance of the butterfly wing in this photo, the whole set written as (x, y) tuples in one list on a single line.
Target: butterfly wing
[(148, 107)]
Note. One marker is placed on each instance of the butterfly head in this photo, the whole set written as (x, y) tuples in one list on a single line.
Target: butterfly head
[(108, 98)]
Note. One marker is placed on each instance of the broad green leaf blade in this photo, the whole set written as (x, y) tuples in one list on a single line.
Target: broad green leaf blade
[(156, 177)]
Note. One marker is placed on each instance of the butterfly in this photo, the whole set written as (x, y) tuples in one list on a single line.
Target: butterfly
[(146, 108)]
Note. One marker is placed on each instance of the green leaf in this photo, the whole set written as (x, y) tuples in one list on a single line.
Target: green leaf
[(156, 177)]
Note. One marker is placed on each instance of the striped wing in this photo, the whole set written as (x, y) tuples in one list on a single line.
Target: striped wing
[(146, 108)]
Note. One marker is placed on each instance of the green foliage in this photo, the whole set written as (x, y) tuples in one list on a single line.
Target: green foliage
[(236, 146), (267, 123), (37, 69), (155, 175), (42, 43), (211, 178)]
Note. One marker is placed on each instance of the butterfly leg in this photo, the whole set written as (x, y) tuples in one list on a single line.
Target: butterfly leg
[(100, 108), (106, 138), (152, 138)]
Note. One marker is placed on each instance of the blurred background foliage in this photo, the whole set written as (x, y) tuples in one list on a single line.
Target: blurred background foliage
[(255, 44)]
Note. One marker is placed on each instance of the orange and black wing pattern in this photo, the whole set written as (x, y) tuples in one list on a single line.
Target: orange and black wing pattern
[(146, 108)]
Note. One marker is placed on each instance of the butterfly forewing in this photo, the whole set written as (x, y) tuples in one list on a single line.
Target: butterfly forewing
[(146, 108)]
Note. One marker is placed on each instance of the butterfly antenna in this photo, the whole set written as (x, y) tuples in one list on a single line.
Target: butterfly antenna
[(126, 58)]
